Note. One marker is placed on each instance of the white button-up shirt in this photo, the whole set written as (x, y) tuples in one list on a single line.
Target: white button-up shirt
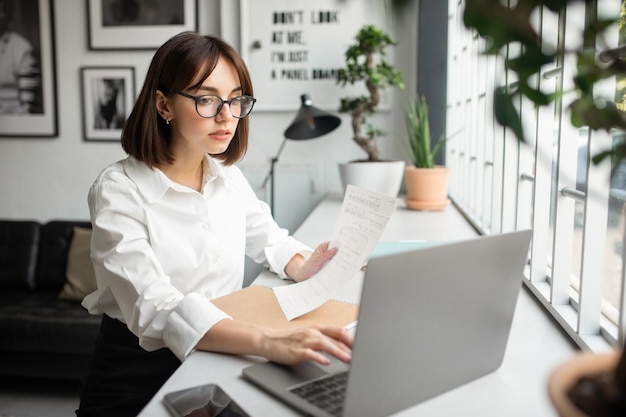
[(162, 251)]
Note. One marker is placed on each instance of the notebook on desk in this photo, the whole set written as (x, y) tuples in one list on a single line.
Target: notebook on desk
[(429, 321)]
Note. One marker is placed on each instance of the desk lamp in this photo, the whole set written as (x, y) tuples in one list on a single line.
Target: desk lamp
[(309, 123)]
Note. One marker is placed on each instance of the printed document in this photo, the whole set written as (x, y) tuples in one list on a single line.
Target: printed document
[(362, 220)]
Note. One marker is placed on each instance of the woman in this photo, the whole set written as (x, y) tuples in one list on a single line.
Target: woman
[(20, 84), (171, 225)]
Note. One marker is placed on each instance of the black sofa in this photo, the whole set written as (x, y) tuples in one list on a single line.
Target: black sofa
[(41, 334)]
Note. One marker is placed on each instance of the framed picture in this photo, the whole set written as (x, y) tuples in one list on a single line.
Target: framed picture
[(137, 24), (297, 46), (28, 106), (108, 97)]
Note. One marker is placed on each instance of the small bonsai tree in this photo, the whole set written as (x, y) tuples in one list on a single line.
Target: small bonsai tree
[(365, 61)]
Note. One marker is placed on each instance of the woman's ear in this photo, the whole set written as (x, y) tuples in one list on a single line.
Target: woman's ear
[(162, 106)]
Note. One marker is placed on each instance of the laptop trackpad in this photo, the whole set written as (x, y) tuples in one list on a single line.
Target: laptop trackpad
[(284, 376), (309, 369)]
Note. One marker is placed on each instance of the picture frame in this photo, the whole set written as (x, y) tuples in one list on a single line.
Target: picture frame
[(298, 46), (113, 27), (108, 96), (28, 105)]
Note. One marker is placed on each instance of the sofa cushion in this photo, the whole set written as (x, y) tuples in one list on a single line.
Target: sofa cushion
[(55, 240), (19, 241), (81, 278), (40, 322), (44, 365)]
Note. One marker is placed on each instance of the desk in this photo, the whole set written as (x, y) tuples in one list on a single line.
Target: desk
[(517, 388)]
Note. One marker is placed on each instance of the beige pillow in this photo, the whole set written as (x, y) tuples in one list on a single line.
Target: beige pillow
[(81, 278)]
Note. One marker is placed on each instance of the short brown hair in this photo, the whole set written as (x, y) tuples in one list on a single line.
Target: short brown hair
[(145, 135)]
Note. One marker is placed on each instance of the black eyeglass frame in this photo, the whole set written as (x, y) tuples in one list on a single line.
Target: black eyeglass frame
[(221, 105)]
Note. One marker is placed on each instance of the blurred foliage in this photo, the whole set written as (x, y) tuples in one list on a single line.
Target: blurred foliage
[(503, 26)]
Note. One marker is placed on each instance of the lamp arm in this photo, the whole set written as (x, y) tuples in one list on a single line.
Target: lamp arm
[(270, 174), (274, 160)]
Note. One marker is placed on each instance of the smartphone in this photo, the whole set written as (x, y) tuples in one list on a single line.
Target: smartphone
[(202, 401)]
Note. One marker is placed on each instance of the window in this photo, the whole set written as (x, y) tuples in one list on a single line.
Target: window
[(576, 209)]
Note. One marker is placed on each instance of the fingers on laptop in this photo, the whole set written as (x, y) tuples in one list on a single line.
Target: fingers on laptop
[(331, 340), (311, 343)]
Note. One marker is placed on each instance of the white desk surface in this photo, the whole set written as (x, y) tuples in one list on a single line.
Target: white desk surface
[(517, 388)]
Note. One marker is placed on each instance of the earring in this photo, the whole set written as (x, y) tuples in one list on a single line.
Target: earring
[(167, 121)]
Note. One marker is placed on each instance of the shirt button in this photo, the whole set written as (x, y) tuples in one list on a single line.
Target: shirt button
[(205, 226), (208, 294)]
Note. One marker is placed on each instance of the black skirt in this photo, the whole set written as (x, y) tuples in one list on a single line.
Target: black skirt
[(123, 377)]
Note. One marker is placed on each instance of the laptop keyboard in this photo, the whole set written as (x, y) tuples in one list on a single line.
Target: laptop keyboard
[(327, 393)]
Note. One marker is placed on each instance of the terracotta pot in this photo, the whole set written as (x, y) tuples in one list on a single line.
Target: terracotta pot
[(427, 188), (566, 375)]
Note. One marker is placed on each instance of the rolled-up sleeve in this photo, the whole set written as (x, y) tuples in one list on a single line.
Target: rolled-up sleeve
[(189, 322)]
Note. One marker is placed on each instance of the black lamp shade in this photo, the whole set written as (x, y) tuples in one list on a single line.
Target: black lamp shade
[(311, 122)]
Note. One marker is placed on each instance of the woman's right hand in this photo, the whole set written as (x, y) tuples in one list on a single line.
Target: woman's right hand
[(296, 346), (289, 347)]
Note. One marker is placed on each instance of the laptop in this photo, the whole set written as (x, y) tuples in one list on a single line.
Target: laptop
[(430, 320)]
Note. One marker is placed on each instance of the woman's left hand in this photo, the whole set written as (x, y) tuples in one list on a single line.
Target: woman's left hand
[(300, 269)]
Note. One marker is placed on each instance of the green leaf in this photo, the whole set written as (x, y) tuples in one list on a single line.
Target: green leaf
[(597, 114), (506, 113)]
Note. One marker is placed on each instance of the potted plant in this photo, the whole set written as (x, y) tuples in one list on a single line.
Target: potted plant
[(587, 385), (590, 385), (426, 183), (365, 61)]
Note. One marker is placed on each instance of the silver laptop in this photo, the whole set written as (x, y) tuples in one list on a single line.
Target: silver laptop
[(429, 321)]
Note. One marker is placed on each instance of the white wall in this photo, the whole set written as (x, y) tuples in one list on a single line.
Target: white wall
[(48, 178)]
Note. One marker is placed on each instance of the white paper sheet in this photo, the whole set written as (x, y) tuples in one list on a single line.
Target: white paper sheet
[(362, 220)]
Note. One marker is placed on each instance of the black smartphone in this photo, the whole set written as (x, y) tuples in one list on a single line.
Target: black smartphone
[(202, 401)]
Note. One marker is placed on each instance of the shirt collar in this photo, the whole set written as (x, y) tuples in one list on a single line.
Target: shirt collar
[(152, 183), (213, 169)]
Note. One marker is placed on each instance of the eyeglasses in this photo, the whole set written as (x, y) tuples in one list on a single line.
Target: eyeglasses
[(210, 106)]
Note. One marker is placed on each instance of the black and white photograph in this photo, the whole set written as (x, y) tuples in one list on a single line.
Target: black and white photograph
[(138, 24), (108, 96), (27, 90)]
